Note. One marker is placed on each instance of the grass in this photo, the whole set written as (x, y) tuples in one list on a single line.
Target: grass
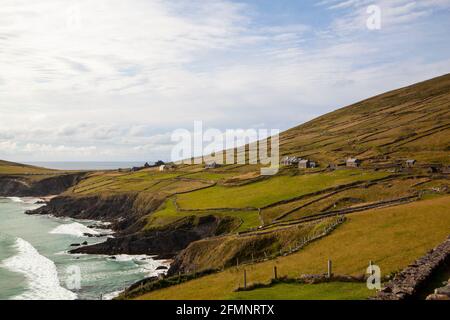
[(145, 180), (215, 253), (391, 237), (358, 196), (168, 214), (11, 168), (210, 175), (271, 190), (402, 123), (322, 291)]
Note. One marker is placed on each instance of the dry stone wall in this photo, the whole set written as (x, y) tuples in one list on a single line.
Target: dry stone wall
[(408, 283)]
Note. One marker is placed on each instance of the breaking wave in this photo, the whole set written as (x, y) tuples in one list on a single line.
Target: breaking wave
[(73, 229), (41, 273)]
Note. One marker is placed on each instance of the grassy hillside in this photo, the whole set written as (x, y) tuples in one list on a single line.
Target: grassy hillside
[(391, 237), (266, 192), (323, 291), (412, 122), (389, 221), (11, 168)]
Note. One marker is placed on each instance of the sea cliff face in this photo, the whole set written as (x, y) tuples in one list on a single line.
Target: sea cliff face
[(127, 216), (18, 186), (165, 243)]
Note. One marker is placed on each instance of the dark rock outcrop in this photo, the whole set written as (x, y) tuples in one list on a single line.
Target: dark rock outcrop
[(117, 207), (19, 186), (165, 243)]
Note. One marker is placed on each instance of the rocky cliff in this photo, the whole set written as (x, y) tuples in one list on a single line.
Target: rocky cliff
[(128, 216), (22, 186), (165, 243)]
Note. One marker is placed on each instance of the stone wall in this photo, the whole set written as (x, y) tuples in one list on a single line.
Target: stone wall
[(408, 283)]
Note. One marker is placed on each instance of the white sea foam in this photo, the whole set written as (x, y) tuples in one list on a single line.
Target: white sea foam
[(16, 199), (74, 229), (111, 295), (146, 263), (41, 273)]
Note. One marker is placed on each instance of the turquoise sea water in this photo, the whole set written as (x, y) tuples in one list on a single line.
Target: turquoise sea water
[(34, 263)]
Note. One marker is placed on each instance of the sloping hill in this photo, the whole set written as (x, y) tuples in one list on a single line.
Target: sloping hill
[(412, 122), (408, 123), (391, 237), (7, 167), (186, 211)]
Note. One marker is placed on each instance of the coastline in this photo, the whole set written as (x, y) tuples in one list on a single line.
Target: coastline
[(148, 264)]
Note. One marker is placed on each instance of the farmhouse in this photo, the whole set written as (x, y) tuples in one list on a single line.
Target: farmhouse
[(410, 163), (353, 163), (165, 167), (289, 161), (305, 163), (211, 165)]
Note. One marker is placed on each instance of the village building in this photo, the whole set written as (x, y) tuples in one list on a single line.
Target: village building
[(165, 167), (211, 165), (410, 163), (353, 163), (305, 164), (289, 161)]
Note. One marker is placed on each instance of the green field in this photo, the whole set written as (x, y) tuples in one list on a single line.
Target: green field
[(322, 291), (262, 193), (168, 213), (391, 237)]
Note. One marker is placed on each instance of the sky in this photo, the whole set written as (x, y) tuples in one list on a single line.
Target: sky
[(110, 80)]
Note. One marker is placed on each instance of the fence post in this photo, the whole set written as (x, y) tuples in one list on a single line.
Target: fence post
[(275, 273), (330, 269)]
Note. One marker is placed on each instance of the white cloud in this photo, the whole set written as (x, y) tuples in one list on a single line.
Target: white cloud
[(109, 80)]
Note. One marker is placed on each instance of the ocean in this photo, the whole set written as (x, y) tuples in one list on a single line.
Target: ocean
[(35, 265), (88, 165)]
